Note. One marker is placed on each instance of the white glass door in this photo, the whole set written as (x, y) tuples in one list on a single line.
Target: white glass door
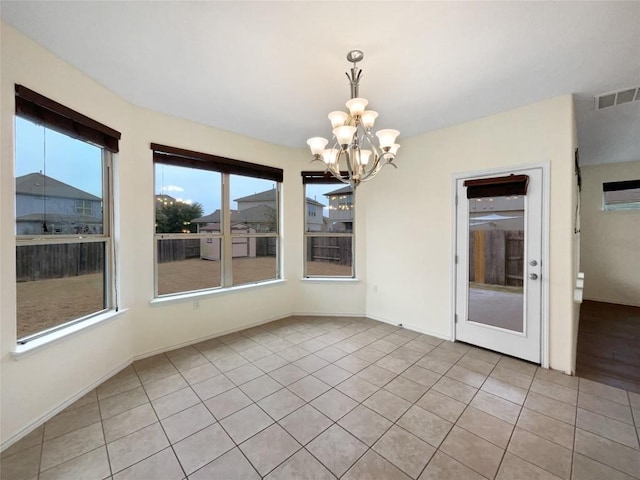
[(498, 270)]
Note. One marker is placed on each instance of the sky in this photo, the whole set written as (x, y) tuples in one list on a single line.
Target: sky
[(40, 149), (79, 164)]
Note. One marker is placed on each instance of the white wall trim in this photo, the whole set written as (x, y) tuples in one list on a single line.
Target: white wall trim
[(22, 350), (332, 314), (546, 245), (329, 280), (203, 294), (52, 413), (413, 328), (544, 264), (175, 346)]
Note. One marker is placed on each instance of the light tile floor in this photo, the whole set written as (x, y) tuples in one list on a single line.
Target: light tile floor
[(316, 398)]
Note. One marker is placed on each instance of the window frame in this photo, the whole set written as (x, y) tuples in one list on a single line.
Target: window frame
[(325, 178), (36, 108), (109, 287), (226, 167)]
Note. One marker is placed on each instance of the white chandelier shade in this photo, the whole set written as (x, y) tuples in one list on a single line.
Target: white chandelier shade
[(355, 156)]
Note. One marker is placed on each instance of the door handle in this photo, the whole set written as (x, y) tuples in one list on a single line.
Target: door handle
[(533, 276)]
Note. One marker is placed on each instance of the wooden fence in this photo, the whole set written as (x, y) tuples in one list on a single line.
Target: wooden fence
[(496, 257), (39, 262), (177, 249), (330, 249), (266, 246)]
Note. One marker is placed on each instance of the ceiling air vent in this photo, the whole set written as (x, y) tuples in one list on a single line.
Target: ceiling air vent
[(611, 99)]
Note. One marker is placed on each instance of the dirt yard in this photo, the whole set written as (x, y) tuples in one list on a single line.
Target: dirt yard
[(44, 304)]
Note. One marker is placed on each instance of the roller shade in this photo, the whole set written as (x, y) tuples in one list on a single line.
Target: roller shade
[(320, 177), (51, 114), (497, 186), (204, 161)]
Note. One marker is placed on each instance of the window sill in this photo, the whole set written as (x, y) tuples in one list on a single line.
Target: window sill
[(64, 333), (329, 280), (192, 296)]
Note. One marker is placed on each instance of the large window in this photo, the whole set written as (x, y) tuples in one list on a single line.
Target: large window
[(217, 221), (64, 252), (328, 226)]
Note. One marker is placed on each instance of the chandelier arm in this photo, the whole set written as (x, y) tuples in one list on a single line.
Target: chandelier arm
[(335, 171), (334, 168), (371, 176), (377, 152), (379, 164), (348, 161)]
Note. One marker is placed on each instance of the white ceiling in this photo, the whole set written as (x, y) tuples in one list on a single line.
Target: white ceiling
[(273, 70)]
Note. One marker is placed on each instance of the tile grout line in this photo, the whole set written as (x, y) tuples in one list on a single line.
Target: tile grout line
[(184, 472), (462, 413), (104, 437), (354, 333)]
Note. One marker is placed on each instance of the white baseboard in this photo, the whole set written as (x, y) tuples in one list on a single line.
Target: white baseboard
[(316, 314), (168, 348), (413, 328), (52, 413)]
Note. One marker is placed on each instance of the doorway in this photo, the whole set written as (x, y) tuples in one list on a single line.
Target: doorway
[(499, 262)]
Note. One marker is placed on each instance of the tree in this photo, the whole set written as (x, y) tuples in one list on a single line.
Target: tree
[(175, 217)]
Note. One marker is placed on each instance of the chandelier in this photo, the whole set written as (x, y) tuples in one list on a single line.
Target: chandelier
[(354, 146)]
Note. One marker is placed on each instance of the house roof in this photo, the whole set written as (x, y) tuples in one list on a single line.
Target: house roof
[(35, 184), (315, 202), (270, 196), (346, 189), (257, 214), (266, 196)]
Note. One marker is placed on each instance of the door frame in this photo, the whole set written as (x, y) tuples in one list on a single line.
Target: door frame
[(544, 267)]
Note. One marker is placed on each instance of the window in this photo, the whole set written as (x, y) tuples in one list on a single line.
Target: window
[(217, 221), (328, 226), (84, 207), (64, 251), (621, 195)]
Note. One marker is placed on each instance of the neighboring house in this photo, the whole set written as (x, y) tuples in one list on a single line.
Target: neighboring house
[(260, 218), (341, 209), (47, 205), (313, 208), (316, 221), (267, 198), (164, 199)]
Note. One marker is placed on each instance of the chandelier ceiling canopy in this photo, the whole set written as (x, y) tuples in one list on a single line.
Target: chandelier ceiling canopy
[(354, 156)]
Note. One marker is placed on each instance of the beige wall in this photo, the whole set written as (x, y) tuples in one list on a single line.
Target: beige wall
[(409, 277), (36, 386), (610, 255), (411, 273)]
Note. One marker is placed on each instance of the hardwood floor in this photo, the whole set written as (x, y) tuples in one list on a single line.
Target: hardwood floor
[(609, 344)]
